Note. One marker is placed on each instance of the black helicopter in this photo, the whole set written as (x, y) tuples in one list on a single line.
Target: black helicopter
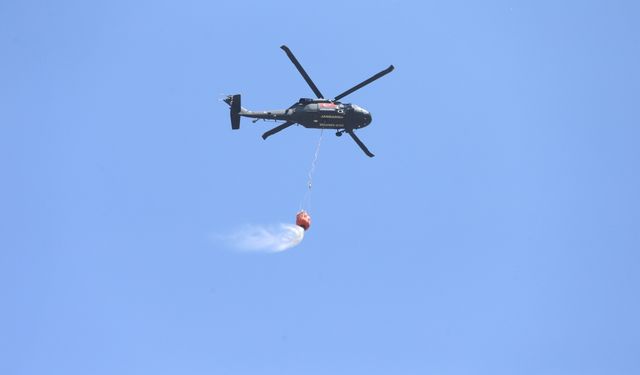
[(317, 113)]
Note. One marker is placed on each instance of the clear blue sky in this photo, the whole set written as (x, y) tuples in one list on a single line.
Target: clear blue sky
[(496, 231)]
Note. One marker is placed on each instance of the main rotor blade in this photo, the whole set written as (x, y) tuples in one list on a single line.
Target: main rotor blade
[(277, 129), (364, 83), (359, 142), (301, 70)]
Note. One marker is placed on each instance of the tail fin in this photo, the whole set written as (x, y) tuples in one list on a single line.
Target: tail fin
[(234, 104)]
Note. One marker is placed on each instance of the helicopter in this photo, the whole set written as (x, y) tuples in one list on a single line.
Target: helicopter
[(319, 113)]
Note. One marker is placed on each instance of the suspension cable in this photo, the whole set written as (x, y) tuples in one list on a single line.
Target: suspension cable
[(306, 200)]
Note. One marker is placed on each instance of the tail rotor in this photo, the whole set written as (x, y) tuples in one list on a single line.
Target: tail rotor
[(234, 110)]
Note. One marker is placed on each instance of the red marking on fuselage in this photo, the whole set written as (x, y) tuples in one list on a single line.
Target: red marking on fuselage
[(328, 105)]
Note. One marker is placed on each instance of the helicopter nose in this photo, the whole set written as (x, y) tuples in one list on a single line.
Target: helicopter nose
[(367, 119)]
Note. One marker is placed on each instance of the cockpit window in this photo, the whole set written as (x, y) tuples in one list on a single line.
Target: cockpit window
[(358, 109)]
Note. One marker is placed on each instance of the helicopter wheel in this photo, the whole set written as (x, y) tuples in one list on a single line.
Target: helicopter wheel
[(339, 133)]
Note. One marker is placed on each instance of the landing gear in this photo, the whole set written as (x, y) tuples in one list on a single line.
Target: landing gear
[(339, 133)]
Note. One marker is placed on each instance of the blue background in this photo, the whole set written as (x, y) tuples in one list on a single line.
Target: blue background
[(495, 232)]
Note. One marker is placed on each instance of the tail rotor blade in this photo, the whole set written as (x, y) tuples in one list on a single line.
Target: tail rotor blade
[(302, 72), (366, 82), (359, 142), (277, 129)]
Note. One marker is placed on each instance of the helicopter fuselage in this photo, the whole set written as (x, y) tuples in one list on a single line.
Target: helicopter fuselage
[(317, 114)]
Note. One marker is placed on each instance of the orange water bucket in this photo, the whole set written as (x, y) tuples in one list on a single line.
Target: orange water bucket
[(303, 219)]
